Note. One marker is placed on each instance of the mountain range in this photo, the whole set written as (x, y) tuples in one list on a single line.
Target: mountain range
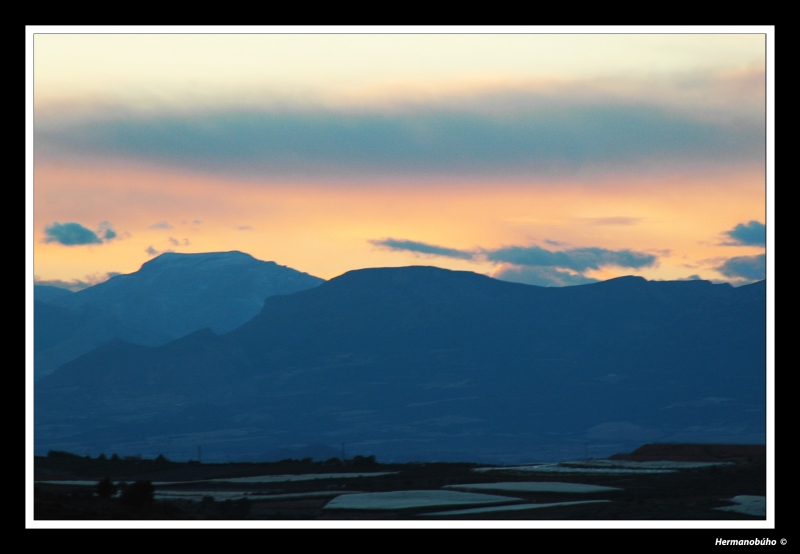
[(171, 296), (422, 363)]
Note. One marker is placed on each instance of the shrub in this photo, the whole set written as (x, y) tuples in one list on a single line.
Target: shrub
[(138, 494), (362, 461), (105, 488)]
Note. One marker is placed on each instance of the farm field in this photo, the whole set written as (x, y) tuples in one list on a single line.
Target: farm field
[(694, 482)]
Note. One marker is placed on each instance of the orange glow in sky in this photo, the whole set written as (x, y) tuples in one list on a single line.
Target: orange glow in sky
[(311, 149), (324, 228)]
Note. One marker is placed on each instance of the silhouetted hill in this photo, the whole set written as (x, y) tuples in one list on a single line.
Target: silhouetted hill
[(697, 453), (169, 297), (425, 363), (62, 334), (177, 294), (46, 293)]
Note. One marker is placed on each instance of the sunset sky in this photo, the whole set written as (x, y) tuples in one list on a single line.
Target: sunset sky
[(549, 159)]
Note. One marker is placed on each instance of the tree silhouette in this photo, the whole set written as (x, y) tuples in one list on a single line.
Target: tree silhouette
[(105, 488), (138, 494), (363, 461)]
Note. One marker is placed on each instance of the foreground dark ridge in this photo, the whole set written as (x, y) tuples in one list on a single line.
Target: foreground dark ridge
[(181, 491), (429, 364)]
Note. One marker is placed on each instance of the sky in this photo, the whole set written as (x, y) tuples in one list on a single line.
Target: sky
[(548, 159)]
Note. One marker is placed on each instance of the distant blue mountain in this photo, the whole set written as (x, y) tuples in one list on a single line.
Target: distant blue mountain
[(47, 293), (62, 334), (169, 297), (421, 363)]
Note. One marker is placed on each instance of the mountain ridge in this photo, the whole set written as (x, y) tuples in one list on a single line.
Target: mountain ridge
[(425, 363), (170, 296)]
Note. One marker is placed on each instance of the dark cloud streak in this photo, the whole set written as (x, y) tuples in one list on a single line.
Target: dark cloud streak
[(70, 234), (426, 141), (576, 259), (750, 268), (423, 248), (532, 264), (75, 234), (752, 233)]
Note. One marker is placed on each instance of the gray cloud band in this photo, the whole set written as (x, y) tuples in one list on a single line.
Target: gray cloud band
[(750, 268), (425, 141), (752, 233), (532, 264), (576, 259), (423, 248), (75, 234)]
